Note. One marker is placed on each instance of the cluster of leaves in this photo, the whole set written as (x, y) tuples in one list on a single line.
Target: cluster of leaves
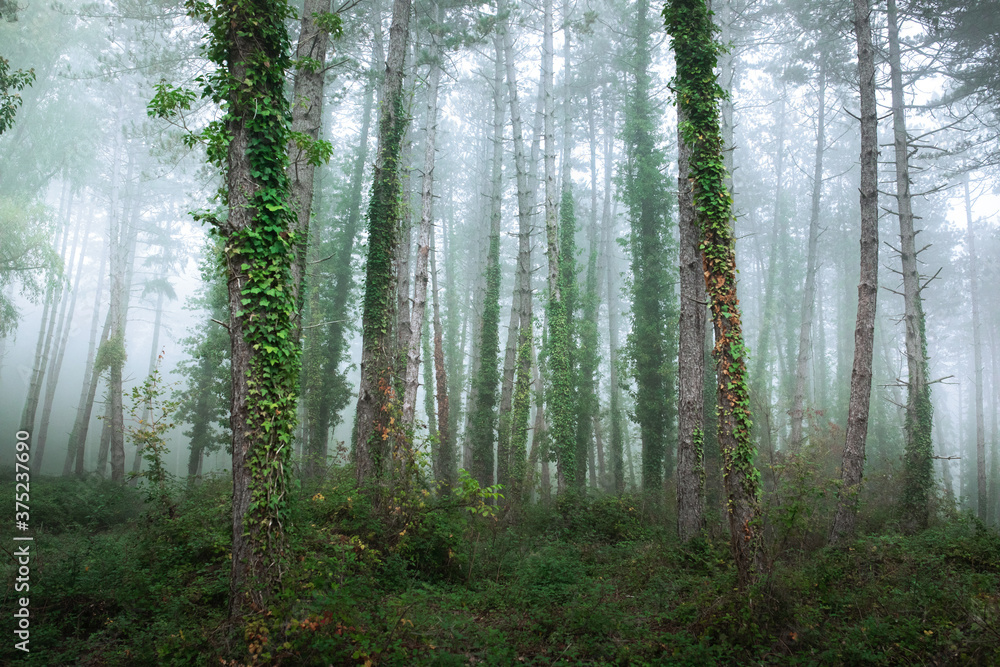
[(10, 84), (152, 415)]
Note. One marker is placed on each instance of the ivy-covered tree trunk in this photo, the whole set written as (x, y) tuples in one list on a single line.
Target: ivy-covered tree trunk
[(123, 234), (588, 355), (249, 44), (514, 426), (690, 26), (864, 330), (646, 196), (560, 395), (809, 291), (918, 484), (483, 419), (567, 253), (376, 396), (690, 356), (419, 305)]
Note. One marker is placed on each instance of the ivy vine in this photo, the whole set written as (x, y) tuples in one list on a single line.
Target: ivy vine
[(692, 33), (248, 43)]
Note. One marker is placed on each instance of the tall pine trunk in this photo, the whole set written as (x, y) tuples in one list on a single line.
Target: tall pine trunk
[(864, 332), (411, 376), (560, 395)]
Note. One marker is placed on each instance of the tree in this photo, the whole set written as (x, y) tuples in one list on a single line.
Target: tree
[(864, 330), (690, 356), (483, 420), (982, 495), (249, 44), (651, 342), (562, 430), (809, 292), (410, 378), (376, 395), (918, 472), (691, 31)]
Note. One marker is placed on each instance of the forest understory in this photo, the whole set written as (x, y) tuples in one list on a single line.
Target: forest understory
[(454, 580)]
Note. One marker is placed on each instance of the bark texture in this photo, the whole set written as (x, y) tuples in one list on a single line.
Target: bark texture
[(864, 331)]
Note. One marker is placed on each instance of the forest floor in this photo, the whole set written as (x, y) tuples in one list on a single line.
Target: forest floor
[(121, 576)]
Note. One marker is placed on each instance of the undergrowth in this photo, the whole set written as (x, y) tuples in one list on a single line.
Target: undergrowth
[(459, 581)]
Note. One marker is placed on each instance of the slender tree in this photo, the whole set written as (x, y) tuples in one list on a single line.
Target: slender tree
[(562, 430), (919, 468), (982, 494), (808, 306), (691, 355), (864, 331), (483, 420), (645, 194), (419, 304)]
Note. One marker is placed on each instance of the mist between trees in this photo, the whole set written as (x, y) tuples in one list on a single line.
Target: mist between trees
[(717, 274)]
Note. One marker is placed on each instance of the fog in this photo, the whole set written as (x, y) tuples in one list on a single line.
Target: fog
[(95, 189)]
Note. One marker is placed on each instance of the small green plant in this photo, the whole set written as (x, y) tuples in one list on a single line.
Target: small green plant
[(151, 413)]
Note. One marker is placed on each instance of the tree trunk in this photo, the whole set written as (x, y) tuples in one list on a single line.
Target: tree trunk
[(982, 492), (864, 331), (343, 281), (483, 418), (520, 320), (809, 292), (690, 359), (778, 241), (690, 26), (608, 232), (445, 470), (918, 466), (376, 393), (307, 120), (75, 446), (61, 340), (411, 378), (263, 311), (560, 395), (587, 402)]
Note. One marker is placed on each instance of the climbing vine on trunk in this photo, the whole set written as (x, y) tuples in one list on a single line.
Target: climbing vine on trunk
[(689, 23), (249, 44)]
